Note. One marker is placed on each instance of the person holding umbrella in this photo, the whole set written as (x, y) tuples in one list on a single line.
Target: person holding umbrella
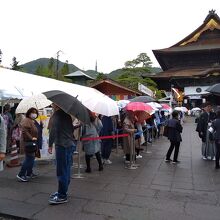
[(61, 134)]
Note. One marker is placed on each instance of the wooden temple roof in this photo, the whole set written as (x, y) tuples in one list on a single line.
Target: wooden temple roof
[(78, 73), (111, 87), (188, 73), (204, 39)]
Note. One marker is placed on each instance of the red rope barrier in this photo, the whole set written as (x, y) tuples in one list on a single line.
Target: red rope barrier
[(103, 137)]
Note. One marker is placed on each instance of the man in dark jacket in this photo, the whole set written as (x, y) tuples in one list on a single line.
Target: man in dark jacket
[(174, 130), (216, 131), (204, 122), (61, 134)]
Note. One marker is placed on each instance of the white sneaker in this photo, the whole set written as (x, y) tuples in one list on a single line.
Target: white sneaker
[(204, 158), (108, 161), (139, 156), (127, 161)]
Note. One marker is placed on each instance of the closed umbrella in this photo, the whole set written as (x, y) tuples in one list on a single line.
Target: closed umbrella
[(36, 101), (69, 104)]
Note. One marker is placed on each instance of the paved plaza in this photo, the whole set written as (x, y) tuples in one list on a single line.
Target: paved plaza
[(155, 191)]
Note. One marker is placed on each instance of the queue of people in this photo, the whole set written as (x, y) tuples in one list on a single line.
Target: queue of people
[(208, 130), (142, 129)]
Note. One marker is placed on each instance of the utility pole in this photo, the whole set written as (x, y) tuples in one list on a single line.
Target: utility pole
[(57, 69)]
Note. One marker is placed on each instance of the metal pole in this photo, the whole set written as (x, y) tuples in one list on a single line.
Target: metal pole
[(79, 147), (57, 68), (117, 141)]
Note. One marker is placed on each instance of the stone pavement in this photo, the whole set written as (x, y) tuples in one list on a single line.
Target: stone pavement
[(156, 190)]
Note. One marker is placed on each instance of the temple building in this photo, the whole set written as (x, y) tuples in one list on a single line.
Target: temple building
[(114, 90), (193, 64), (79, 77)]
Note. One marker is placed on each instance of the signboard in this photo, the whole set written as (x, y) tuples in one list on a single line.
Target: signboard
[(194, 96), (145, 90), (195, 90)]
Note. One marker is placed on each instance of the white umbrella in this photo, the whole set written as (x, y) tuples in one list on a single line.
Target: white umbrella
[(122, 103), (30, 84), (102, 105), (196, 109), (154, 105), (36, 101), (182, 109)]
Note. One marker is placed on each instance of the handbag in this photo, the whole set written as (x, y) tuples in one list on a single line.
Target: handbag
[(30, 146), (165, 131)]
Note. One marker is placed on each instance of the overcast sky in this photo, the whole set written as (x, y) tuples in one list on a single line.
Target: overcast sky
[(109, 31)]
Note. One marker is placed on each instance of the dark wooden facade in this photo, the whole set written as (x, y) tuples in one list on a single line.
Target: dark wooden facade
[(194, 61), (114, 90)]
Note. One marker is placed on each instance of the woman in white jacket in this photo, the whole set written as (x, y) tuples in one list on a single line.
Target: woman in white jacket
[(2, 142)]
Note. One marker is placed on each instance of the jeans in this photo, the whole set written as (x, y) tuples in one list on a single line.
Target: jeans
[(173, 145), (27, 166), (63, 161), (106, 148)]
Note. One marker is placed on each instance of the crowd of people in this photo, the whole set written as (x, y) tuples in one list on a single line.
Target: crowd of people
[(141, 128), (208, 128)]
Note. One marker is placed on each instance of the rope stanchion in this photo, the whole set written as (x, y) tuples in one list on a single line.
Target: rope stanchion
[(117, 141), (14, 161), (78, 175), (103, 137)]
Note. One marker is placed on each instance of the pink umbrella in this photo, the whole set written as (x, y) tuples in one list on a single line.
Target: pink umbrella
[(138, 106), (166, 106)]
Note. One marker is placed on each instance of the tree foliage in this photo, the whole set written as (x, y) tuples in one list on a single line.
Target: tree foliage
[(142, 60), (14, 65), (50, 70), (133, 73), (0, 56)]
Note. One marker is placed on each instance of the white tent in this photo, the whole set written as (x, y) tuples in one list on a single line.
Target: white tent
[(15, 84)]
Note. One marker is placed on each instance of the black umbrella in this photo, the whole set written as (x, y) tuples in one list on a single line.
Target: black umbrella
[(69, 104), (144, 99), (215, 89)]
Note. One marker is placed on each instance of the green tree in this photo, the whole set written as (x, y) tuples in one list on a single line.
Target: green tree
[(131, 77), (0, 56), (65, 69), (101, 76), (131, 64), (14, 65), (51, 68), (41, 71), (142, 59)]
